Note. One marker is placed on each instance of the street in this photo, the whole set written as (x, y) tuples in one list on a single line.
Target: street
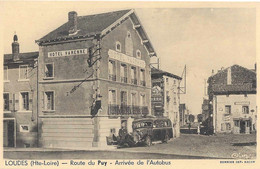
[(187, 146)]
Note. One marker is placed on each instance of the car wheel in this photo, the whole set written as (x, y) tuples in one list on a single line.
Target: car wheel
[(166, 138), (148, 141)]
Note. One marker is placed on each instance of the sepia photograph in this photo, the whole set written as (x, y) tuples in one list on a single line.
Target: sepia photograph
[(128, 82)]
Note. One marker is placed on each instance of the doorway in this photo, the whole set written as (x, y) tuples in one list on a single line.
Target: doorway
[(9, 133), (242, 126)]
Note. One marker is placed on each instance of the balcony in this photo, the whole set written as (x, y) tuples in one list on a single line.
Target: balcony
[(142, 83), (134, 81), (124, 79), (127, 110), (112, 77)]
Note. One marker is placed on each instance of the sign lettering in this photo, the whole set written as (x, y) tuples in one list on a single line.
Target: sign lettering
[(125, 58), (67, 53)]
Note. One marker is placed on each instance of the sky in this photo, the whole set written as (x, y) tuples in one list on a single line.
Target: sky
[(203, 39)]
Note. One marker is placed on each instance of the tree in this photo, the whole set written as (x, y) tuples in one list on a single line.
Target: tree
[(191, 118), (200, 117)]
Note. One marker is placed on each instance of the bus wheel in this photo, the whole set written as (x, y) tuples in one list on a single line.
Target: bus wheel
[(166, 139)]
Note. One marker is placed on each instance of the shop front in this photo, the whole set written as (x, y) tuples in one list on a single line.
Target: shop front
[(242, 125)]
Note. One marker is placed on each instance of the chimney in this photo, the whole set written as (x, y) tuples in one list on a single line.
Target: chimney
[(73, 22), (255, 67), (212, 73), (15, 48)]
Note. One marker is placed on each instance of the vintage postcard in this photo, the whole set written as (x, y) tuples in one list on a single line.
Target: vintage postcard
[(129, 84)]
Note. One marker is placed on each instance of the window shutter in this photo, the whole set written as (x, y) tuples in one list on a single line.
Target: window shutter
[(11, 107), (16, 101), (114, 97), (30, 100), (110, 97), (122, 71), (43, 100)]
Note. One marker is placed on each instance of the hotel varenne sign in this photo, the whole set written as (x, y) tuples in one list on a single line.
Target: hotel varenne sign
[(68, 53), (125, 58)]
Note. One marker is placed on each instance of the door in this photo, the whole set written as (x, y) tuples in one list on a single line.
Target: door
[(123, 97), (248, 127), (8, 133), (242, 126), (157, 129), (5, 134)]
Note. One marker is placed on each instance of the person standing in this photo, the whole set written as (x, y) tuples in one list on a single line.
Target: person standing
[(198, 129)]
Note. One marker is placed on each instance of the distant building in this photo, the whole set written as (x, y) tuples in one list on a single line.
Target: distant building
[(182, 111), (20, 98), (205, 109), (165, 97), (232, 93)]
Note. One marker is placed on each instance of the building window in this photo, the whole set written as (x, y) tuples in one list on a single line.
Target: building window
[(6, 102), (123, 97), (142, 77), (138, 54), (49, 100), (23, 72), (133, 75), (24, 128), (112, 96), (112, 70), (245, 109), (24, 103), (133, 99), (228, 126), (228, 109), (142, 99), (118, 46), (123, 73), (236, 123), (6, 73), (49, 70)]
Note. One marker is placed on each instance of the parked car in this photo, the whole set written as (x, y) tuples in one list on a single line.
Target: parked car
[(149, 129)]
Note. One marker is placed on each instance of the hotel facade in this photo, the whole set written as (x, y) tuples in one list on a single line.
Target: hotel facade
[(94, 78)]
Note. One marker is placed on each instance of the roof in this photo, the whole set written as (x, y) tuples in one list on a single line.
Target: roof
[(94, 25), (22, 56), (243, 80), (224, 70), (87, 25), (156, 72)]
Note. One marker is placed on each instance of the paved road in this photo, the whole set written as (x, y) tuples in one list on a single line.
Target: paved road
[(186, 147), (218, 146)]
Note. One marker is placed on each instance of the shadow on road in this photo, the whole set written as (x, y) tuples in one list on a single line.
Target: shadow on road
[(244, 144)]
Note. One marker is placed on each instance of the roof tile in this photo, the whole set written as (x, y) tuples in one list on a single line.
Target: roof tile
[(87, 25)]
